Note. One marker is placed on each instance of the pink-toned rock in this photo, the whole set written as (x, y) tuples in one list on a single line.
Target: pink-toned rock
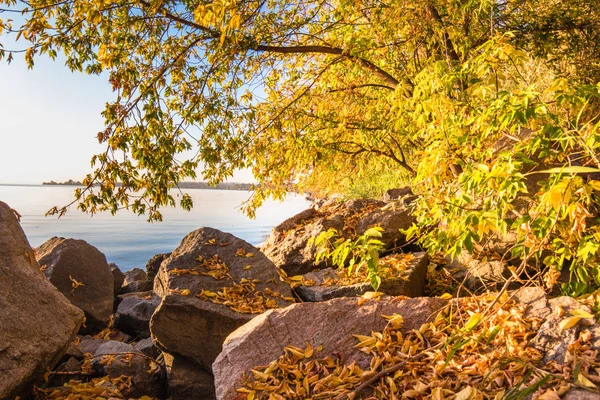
[(37, 322), (330, 325)]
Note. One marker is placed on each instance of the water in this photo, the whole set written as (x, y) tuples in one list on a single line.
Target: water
[(127, 239)]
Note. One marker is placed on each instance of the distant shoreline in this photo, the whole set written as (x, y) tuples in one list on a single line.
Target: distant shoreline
[(182, 185)]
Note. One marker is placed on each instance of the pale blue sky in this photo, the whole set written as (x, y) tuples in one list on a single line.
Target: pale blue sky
[(49, 118)]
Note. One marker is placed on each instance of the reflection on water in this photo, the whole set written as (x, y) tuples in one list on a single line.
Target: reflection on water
[(127, 239)]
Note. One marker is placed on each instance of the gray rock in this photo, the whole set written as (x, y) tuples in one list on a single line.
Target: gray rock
[(552, 341), (480, 275), (118, 277), (136, 280), (37, 321), (134, 313), (71, 366), (135, 274), (115, 359), (194, 327), (146, 347), (82, 274), (262, 340), (89, 345), (153, 265), (188, 380), (412, 286), (137, 286)]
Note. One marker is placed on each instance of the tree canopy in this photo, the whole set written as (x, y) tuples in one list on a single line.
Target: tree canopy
[(462, 98)]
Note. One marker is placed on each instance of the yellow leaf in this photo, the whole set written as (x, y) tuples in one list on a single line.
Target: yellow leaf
[(446, 296), (247, 267), (465, 394), (396, 320), (259, 376), (595, 185), (582, 380), (372, 295), (185, 292), (568, 323), (437, 393), (581, 314), (411, 394), (308, 352)]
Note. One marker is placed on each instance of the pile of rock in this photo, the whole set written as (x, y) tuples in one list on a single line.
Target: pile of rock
[(216, 307), (190, 326)]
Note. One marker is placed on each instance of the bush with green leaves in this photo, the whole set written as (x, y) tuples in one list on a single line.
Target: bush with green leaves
[(353, 254)]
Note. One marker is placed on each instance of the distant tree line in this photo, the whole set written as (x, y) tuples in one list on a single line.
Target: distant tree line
[(182, 185)]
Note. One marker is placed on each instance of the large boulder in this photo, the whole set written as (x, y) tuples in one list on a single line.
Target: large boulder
[(134, 313), (210, 285), (262, 340), (37, 322), (287, 246), (81, 273), (406, 278)]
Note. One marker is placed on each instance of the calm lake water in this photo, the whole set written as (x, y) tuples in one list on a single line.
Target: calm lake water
[(127, 239)]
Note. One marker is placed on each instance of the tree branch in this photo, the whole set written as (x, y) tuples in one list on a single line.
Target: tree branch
[(389, 79)]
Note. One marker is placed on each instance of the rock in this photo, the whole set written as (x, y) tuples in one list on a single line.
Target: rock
[(262, 340), (135, 274), (551, 340), (398, 193), (89, 345), (118, 277), (37, 321), (72, 366), (195, 327), (187, 380), (136, 280), (146, 294), (392, 221), (134, 313), (153, 265), (479, 275), (137, 286), (410, 284), (73, 350), (146, 347), (580, 394), (81, 273), (287, 244), (147, 375)]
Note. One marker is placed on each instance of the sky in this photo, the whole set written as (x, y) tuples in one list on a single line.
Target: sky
[(49, 118)]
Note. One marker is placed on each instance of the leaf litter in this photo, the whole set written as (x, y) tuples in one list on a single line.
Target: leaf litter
[(459, 355)]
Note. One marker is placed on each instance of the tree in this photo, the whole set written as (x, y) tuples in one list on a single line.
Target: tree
[(322, 93), (297, 90)]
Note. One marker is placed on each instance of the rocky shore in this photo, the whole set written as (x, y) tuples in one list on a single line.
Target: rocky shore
[(200, 322)]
